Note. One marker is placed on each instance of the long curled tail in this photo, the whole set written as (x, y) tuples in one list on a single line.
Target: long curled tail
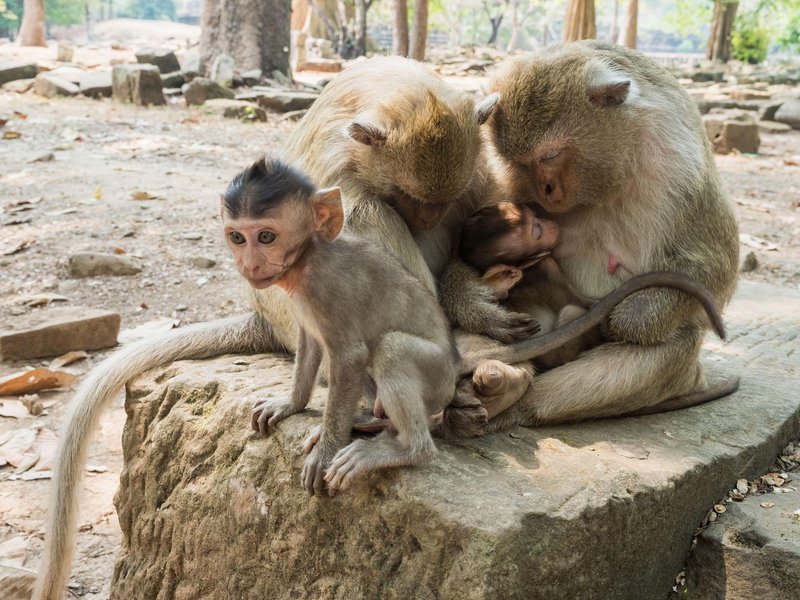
[(247, 333)]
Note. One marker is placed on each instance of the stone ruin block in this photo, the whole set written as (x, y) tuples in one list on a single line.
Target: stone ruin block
[(732, 130), (137, 84)]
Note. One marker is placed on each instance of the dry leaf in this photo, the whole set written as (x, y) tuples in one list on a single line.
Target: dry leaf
[(98, 193), (772, 479), (719, 508), (756, 242), (11, 135), (45, 445), (20, 115), (67, 359), (27, 462), (742, 486), (146, 330), (12, 552), (142, 195), (27, 382), (96, 468), (13, 409), (32, 475), (767, 504), (18, 446), (42, 300)]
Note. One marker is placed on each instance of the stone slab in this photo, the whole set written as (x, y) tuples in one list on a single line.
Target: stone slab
[(96, 84), (55, 331), (15, 70), (750, 551), (235, 109), (139, 84), (602, 509)]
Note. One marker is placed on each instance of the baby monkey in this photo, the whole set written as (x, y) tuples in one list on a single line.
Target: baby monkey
[(384, 333), (512, 247)]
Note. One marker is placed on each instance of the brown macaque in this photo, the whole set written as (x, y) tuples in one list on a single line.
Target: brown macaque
[(613, 150), (407, 152), (512, 248), (285, 234)]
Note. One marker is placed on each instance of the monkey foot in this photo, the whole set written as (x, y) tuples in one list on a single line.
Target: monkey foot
[(499, 385)]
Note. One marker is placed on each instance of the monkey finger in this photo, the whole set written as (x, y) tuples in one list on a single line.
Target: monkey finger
[(262, 422), (312, 439), (319, 481)]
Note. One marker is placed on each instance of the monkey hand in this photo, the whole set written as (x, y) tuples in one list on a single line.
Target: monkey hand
[(268, 413), (507, 327)]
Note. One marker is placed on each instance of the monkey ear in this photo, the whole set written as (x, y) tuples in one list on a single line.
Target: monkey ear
[(609, 94), (366, 133), (485, 107), (501, 278), (328, 213)]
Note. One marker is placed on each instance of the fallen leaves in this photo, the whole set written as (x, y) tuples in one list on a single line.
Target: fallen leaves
[(142, 195), (756, 242), (30, 451), (67, 359), (37, 300), (35, 380), (767, 504), (147, 330), (11, 135), (18, 247)]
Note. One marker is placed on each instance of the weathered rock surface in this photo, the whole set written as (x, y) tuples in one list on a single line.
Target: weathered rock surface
[(51, 86), (13, 71), (173, 80), (789, 113), (139, 84), (19, 86), (729, 131), (252, 77), (222, 70), (235, 109), (201, 89), (64, 53), (164, 59), (58, 330), (749, 552), (280, 100), (97, 84), (602, 509), (98, 264)]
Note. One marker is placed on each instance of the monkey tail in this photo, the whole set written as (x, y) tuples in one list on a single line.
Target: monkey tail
[(688, 400), (539, 345), (464, 417), (247, 333)]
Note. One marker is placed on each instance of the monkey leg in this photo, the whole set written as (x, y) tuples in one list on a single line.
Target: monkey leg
[(610, 380), (414, 378), (500, 385)]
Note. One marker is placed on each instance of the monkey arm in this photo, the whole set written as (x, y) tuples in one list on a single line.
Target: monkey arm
[(306, 365), (471, 306), (381, 224)]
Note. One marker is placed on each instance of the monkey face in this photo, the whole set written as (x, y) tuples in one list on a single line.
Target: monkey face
[(531, 236), (265, 248), (419, 216)]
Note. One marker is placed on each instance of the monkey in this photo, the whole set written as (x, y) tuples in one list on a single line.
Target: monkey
[(284, 233), (407, 151), (612, 149), (512, 247)]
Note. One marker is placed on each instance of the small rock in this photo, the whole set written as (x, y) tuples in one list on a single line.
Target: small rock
[(749, 264), (282, 101), (51, 86), (190, 61), (293, 115), (55, 331), (252, 77), (20, 86), (789, 113), (64, 53), (12, 71), (45, 158), (69, 73), (200, 89), (173, 80), (192, 235), (282, 78), (202, 262), (164, 59), (773, 127), (139, 84), (325, 65), (96, 264), (732, 131), (767, 112), (97, 84), (222, 70), (181, 308), (236, 109)]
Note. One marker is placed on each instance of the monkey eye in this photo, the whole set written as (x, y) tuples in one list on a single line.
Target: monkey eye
[(550, 154), (266, 237), (236, 237)]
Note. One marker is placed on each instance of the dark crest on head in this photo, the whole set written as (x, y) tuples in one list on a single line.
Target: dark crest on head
[(263, 186)]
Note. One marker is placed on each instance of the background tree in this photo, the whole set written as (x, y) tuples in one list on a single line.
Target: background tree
[(254, 32), (154, 10), (419, 30), (521, 11), (580, 23), (360, 34), (630, 24), (719, 40), (495, 10), (31, 31), (400, 31)]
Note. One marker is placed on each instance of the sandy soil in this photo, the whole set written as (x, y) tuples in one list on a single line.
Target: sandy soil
[(105, 151)]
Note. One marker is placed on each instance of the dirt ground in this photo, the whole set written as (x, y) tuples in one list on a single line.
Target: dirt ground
[(102, 153)]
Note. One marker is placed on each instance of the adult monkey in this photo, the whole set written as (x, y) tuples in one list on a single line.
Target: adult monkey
[(385, 130), (614, 151)]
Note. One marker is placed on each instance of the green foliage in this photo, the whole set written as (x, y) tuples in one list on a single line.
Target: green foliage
[(10, 11), (63, 12), (688, 16), (750, 39), (789, 38), (153, 10)]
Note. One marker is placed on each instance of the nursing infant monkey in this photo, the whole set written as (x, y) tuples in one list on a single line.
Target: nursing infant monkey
[(384, 333)]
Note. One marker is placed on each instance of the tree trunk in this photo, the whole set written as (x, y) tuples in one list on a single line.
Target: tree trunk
[(400, 34), (254, 32), (495, 21), (630, 23), (615, 23), (580, 23), (360, 33), (31, 31), (87, 17), (517, 21), (719, 41), (419, 30)]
